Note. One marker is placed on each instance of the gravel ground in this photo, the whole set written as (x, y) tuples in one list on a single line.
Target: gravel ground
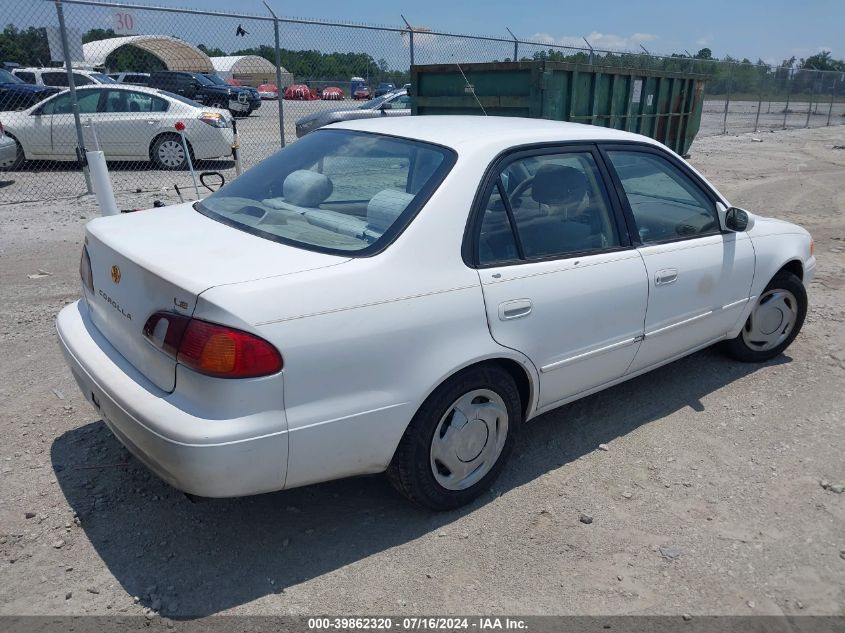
[(708, 499)]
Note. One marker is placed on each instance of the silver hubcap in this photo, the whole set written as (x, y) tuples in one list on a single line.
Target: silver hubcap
[(771, 321), (469, 439), (171, 153)]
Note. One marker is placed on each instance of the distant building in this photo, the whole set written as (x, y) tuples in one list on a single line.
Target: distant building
[(250, 70)]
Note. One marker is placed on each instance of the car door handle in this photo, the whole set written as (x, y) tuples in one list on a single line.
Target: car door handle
[(665, 276), (514, 309)]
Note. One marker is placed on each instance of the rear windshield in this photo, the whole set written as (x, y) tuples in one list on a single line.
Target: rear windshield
[(333, 191)]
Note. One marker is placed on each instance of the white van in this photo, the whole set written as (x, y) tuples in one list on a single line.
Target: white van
[(58, 77)]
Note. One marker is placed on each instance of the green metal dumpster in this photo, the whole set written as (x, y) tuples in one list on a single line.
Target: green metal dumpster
[(663, 105)]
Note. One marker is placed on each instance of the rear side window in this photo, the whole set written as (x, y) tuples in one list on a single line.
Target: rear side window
[(666, 204), (333, 191), (126, 101), (545, 206), (25, 76)]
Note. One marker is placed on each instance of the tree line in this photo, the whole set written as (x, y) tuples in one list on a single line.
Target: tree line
[(29, 47)]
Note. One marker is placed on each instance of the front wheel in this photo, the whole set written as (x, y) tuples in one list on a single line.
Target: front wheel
[(774, 321), (459, 440)]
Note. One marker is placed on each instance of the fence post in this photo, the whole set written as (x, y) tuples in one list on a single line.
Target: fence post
[(759, 102), (788, 94), (279, 88), (515, 45), (410, 37), (80, 138), (830, 108), (810, 105), (727, 99)]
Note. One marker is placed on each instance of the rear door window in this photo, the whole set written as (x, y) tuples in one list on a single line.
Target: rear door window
[(128, 101), (25, 76), (549, 205)]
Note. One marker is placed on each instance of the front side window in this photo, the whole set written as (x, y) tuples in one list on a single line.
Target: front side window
[(333, 191), (26, 76), (667, 205), (545, 206), (88, 100)]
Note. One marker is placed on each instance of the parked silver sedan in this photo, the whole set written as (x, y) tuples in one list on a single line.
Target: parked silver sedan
[(8, 149), (131, 123), (396, 103)]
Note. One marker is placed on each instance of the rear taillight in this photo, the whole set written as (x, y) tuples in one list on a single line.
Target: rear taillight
[(212, 349), (85, 270)]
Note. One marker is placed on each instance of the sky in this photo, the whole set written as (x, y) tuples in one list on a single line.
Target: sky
[(773, 30)]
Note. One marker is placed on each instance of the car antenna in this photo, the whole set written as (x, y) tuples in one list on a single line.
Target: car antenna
[(471, 89)]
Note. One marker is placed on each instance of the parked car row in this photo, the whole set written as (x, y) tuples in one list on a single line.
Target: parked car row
[(16, 94), (132, 123), (396, 103)]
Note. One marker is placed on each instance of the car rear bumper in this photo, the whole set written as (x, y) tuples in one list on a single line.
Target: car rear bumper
[(200, 455), (8, 151)]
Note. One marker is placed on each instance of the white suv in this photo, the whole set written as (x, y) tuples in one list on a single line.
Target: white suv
[(58, 77)]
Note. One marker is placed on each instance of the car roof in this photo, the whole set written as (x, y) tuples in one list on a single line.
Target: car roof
[(467, 132), (119, 86), (60, 69)]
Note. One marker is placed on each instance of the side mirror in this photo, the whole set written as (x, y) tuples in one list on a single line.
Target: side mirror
[(738, 220)]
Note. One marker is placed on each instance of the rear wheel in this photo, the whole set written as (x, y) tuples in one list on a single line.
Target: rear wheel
[(168, 153), (774, 321), (218, 104), (459, 440)]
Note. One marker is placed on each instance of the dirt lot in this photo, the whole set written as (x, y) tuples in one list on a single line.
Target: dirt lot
[(707, 501)]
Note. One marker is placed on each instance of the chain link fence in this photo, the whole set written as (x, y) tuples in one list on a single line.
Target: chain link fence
[(245, 80)]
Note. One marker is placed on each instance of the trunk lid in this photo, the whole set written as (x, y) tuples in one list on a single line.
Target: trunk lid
[(162, 260)]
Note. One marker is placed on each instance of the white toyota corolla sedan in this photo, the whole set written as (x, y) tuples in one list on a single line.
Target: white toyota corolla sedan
[(402, 294), (132, 123)]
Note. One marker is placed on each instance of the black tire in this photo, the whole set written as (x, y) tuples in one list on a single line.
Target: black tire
[(162, 163), (241, 114), (20, 158), (218, 104), (739, 347), (411, 469)]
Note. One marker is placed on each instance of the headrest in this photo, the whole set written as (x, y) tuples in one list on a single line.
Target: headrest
[(556, 184), (385, 207), (306, 188)]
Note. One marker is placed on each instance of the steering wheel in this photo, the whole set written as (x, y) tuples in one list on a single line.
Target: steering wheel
[(520, 189)]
